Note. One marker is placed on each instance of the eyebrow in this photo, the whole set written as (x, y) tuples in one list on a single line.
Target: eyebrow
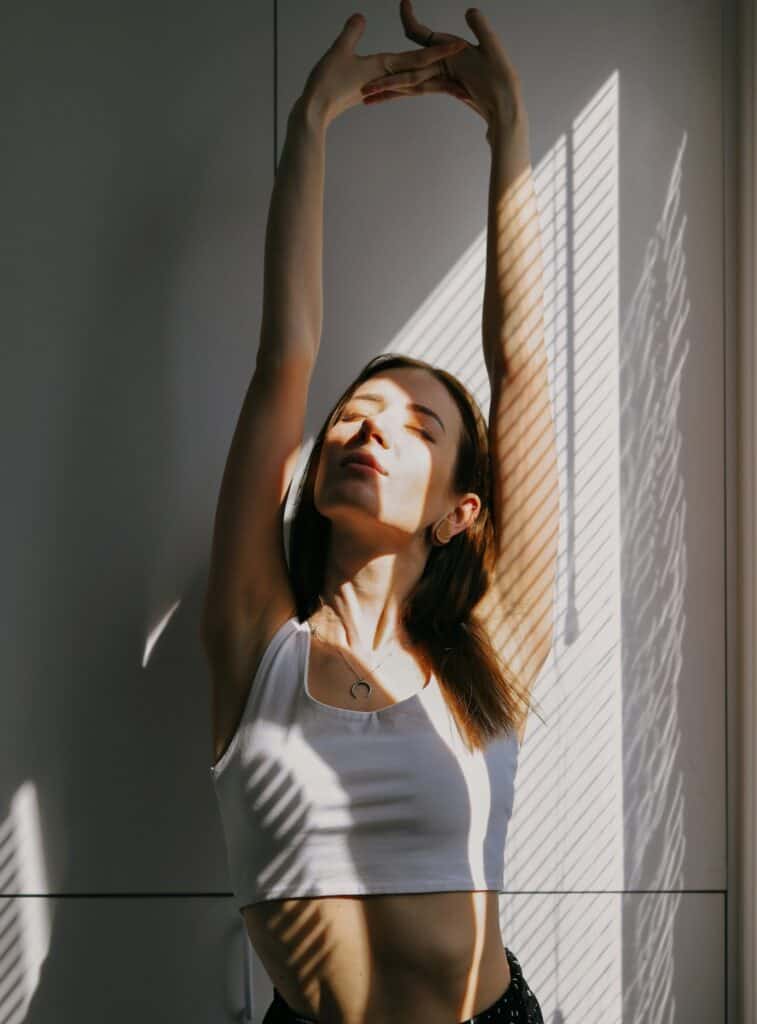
[(370, 397)]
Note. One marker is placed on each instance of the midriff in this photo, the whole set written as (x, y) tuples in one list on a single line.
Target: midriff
[(384, 959)]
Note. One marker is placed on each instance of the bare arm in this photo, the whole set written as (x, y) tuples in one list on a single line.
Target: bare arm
[(293, 277), (522, 438), (247, 570)]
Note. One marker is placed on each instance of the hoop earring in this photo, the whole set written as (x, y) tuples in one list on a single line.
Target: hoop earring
[(438, 538)]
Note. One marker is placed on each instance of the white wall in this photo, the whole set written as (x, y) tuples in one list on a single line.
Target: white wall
[(140, 148)]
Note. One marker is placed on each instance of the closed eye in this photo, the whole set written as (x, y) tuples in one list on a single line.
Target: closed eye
[(352, 416)]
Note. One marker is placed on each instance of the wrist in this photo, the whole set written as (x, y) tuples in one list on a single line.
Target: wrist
[(311, 112), (511, 132)]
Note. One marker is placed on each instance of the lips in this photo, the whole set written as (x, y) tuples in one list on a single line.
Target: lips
[(365, 459)]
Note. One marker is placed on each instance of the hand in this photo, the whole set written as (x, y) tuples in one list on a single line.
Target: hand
[(334, 84), (481, 76)]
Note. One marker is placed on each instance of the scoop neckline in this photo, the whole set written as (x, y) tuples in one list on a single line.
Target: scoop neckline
[(348, 712)]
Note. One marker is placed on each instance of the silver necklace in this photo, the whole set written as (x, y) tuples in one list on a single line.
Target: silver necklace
[(358, 680)]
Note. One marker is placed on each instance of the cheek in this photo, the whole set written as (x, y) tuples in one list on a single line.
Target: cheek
[(420, 474)]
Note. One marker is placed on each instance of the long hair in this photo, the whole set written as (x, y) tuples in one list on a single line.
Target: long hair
[(484, 694)]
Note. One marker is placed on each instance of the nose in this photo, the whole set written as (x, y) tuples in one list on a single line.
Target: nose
[(368, 428)]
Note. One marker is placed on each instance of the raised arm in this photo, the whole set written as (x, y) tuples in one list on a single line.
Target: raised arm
[(521, 429), (268, 433), (293, 280), (292, 317), (247, 569), (518, 608)]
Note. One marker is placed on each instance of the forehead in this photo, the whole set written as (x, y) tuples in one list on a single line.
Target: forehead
[(409, 384)]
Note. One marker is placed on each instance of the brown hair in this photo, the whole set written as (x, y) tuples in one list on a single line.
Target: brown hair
[(482, 691)]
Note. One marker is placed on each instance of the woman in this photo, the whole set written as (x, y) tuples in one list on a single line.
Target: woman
[(368, 706)]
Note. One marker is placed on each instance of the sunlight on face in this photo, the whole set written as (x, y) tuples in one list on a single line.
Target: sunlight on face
[(407, 420)]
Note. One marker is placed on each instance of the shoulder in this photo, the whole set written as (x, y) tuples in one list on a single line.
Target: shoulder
[(235, 656)]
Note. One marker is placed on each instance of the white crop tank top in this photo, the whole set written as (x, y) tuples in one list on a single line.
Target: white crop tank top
[(317, 800)]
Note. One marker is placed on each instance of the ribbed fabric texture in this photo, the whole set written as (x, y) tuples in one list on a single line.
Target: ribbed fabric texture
[(323, 801)]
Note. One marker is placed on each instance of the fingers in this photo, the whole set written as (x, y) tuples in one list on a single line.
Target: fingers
[(429, 55), (398, 81), (417, 90), (428, 86), (487, 38), (480, 27), (350, 35), (412, 62), (414, 30)]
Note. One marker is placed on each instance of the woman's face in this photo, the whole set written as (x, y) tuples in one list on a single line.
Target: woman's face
[(415, 448)]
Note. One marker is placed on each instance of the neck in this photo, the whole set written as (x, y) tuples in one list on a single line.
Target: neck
[(361, 604), (338, 622)]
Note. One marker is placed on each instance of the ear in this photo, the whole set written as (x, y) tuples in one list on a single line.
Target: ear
[(467, 512)]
